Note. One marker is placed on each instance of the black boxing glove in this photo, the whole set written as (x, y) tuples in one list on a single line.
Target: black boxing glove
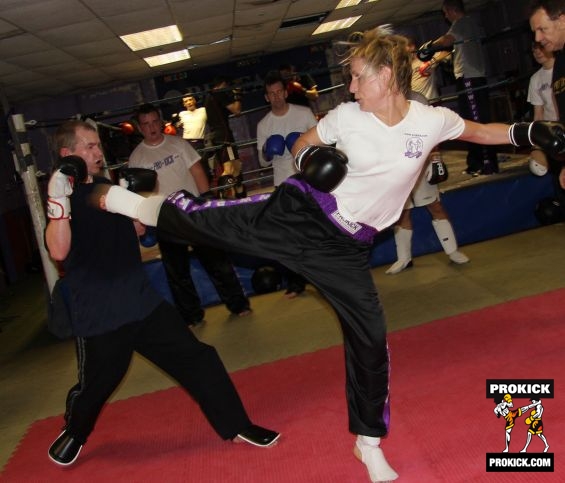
[(74, 167), (70, 170), (437, 170), (426, 52), (323, 167), (547, 135), (138, 179)]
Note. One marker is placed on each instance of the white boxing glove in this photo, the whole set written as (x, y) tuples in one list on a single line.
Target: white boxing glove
[(58, 191)]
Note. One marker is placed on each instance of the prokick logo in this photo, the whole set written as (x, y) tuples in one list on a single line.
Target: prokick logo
[(514, 398)]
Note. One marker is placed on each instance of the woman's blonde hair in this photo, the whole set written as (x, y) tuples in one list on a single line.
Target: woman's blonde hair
[(380, 47)]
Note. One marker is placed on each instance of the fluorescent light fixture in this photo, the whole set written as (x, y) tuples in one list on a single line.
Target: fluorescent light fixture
[(347, 3), (162, 59), (215, 42), (152, 38), (344, 23)]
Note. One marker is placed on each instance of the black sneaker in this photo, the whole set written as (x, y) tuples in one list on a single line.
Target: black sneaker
[(258, 436), (64, 451)]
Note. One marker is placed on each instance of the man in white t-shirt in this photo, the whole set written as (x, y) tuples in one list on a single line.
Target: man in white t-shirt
[(177, 165), (282, 120), (276, 134), (540, 96), (193, 121)]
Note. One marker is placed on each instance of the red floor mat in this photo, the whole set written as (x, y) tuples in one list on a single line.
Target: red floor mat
[(442, 422)]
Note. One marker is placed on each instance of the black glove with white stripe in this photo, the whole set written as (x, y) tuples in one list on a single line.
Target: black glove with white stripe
[(547, 135)]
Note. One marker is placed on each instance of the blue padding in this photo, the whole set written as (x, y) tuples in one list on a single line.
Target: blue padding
[(204, 286), (480, 212)]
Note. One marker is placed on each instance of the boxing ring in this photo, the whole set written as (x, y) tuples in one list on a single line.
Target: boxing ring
[(480, 208)]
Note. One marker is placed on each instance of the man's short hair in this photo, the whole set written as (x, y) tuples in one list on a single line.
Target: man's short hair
[(65, 136), (272, 77), (553, 8), (146, 109), (455, 4)]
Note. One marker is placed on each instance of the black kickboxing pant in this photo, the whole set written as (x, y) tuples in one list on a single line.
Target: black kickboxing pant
[(199, 145), (290, 227), (163, 339), (474, 104), (176, 261)]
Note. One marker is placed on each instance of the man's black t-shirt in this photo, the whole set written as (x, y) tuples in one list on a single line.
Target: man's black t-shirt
[(107, 282)]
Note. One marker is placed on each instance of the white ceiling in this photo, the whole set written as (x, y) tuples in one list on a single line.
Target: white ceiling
[(55, 47)]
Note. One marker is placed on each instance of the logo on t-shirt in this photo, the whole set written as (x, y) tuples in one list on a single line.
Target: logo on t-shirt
[(414, 147)]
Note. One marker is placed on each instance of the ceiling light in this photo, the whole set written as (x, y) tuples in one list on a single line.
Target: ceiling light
[(161, 59), (347, 3), (152, 38), (215, 42), (316, 18), (336, 25)]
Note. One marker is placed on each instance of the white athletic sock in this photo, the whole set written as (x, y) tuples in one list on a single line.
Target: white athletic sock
[(403, 241), (370, 453), (370, 440)]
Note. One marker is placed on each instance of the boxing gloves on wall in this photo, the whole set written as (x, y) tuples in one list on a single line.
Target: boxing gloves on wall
[(295, 87), (425, 69), (323, 167), (170, 129)]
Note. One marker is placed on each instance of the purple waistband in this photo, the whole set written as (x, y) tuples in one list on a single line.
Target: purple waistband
[(326, 201), (188, 203)]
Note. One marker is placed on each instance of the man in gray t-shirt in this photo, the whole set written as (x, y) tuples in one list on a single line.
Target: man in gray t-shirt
[(464, 37)]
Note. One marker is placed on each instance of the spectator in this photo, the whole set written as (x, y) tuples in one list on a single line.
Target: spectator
[(221, 102), (276, 134), (177, 167), (301, 89), (425, 193), (540, 96), (193, 123), (464, 37)]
